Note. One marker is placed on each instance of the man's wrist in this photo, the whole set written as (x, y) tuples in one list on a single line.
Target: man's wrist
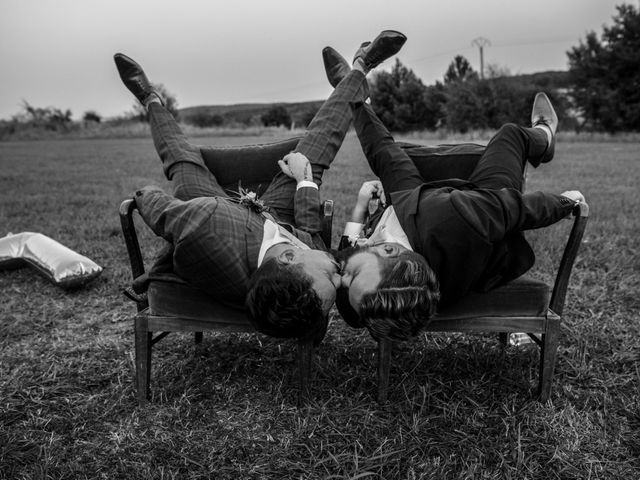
[(352, 229), (358, 214), (306, 183)]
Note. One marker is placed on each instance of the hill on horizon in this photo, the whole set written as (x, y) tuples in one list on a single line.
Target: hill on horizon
[(302, 112), (250, 113)]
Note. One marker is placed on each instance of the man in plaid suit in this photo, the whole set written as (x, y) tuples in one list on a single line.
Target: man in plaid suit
[(276, 260)]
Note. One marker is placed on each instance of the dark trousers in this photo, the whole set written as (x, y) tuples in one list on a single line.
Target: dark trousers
[(501, 164), (189, 166)]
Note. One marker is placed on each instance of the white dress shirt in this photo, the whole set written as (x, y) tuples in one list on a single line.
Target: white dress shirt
[(388, 229), (274, 234)]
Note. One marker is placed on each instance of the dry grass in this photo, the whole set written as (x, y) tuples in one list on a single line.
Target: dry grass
[(460, 406)]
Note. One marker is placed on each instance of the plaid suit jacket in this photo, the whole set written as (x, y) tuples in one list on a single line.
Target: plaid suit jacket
[(216, 241)]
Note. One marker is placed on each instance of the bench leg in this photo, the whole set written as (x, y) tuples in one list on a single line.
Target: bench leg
[(305, 358), (504, 338), (143, 359), (548, 353), (384, 366)]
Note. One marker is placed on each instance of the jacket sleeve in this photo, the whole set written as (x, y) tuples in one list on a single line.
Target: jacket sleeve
[(540, 209), (497, 213), (163, 213), (307, 210)]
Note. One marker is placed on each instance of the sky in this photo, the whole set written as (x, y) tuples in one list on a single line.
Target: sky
[(59, 53)]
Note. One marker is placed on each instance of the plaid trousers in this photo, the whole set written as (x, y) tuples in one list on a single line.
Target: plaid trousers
[(183, 164)]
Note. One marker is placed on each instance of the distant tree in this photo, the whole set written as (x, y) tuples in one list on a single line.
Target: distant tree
[(604, 74), (493, 70), (402, 101), (169, 99), (49, 118), (505, 99), (91, 116), (474, 103), (464, 108), (460, 70), (276, 116)]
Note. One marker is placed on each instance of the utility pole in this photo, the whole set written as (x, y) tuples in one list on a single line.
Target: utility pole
[(481, 42)]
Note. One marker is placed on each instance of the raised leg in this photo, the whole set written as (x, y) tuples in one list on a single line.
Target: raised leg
[(321, 142), (502, 164), (387, 160), (182, 161)]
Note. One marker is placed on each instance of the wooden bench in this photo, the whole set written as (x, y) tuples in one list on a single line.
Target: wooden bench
[(171, 305), (523, 305)]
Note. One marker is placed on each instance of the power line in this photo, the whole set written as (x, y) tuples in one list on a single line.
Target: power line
[(523, 42)]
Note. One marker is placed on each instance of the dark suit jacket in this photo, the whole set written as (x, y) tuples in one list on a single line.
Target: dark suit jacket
[(215, 241), (472, 238)]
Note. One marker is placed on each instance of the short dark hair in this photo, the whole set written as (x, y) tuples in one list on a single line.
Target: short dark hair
[(403, 303), (282, 302)]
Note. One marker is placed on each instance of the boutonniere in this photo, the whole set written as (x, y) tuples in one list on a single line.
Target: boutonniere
[(249, 199)]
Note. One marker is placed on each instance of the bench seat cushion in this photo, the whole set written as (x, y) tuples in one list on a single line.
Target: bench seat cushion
[(173, 297), (522, 297)]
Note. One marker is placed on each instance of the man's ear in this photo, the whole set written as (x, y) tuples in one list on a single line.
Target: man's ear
[(287, 256)]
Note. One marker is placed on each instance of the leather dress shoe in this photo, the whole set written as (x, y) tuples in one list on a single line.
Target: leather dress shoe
[(135, 79), (385, 45), (335, 66), (543, 113)]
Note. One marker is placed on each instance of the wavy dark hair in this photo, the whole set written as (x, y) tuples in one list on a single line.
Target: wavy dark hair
[(282, 302), (403, 303)]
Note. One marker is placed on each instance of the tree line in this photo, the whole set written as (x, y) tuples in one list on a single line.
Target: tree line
[(600, 92)]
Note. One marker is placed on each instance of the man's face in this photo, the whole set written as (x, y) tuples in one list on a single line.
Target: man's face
[(324, 272), (362, 269)]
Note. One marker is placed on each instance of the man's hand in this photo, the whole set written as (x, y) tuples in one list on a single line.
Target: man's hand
[(296, 166), (368, 191), (574, 195)]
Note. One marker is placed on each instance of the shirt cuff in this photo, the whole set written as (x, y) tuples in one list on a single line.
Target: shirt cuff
[(306, 183), (353, 229)]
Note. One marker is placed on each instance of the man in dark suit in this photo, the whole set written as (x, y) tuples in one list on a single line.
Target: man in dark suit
[(274, 259), (469, 231)]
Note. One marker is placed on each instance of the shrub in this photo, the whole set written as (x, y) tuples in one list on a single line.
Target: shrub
[(276, 116), (91, 116)]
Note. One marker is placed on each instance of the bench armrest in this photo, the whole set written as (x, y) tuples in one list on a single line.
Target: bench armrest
[(127, 208), (327, 222), (581, 213)]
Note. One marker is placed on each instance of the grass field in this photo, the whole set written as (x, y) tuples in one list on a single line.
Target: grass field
[(460, 406)]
